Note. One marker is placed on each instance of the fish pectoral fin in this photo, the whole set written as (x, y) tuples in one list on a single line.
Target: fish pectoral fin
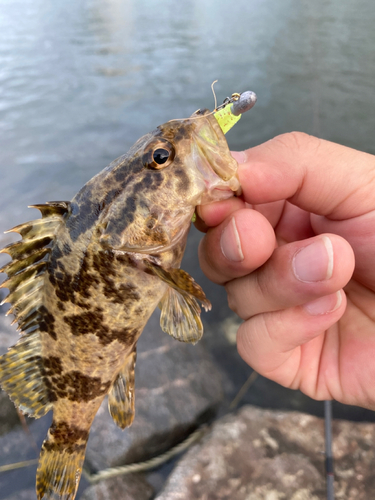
[(21, 376), (180, 311), (121, 395), (60, 466), (180, 316), (181, 281)]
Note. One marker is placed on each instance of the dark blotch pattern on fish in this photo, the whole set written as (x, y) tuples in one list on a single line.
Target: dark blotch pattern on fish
[(66, 249), (125, 335), (181, 133), (85, 322), (157, 179), (51, 369), (74, 385), (60, 306), (71, 438), (117, 293), (93, 322), (47, 322), (80, 387), (121, 293), (69, 288), (90, 202), (52, 366), (183, 183)]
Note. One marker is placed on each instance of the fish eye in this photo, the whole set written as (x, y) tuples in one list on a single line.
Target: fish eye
[(159, 155)]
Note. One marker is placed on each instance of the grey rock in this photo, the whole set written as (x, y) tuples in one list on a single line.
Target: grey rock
[(28, 494), (177, 386), (265, 455), (18, 446), (125, 488), (9, 334), (8, 414)]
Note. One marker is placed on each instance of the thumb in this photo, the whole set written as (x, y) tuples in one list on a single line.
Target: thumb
[(316, 175)]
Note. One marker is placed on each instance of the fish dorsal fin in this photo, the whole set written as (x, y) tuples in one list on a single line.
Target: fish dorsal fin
[(21, 376), (21, 368), (180, 311), (29, 262), (121, 395)]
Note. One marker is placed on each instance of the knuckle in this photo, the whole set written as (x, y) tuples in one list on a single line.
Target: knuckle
[(233, 303), (263, 289), (294, 139), (297, 141), (244, 297)]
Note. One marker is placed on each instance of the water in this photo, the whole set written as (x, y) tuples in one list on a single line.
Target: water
[(82, 81)]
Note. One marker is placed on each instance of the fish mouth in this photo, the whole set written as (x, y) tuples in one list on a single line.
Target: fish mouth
[(213, 159)]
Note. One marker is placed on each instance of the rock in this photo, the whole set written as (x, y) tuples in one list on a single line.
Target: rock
[(9, 334), (177, 387), (8, 414), (130, 487), (265, 455), (18, 446), (27, 494)]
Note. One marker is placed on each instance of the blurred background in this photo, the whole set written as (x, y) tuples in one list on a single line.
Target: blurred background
[(81, 81)]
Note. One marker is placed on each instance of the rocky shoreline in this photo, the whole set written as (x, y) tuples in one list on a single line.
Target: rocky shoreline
[(245, 454)]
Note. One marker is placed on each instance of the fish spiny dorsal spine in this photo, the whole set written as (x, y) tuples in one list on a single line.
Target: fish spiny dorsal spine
[(22, 364)]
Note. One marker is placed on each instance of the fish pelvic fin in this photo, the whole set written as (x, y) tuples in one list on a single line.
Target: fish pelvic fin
[(121, 395), (180, 316), (29, 262), (60, 463), (21, 376), (180, 311)]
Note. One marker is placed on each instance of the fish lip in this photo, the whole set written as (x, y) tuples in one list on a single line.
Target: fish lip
[(237, 192), (215, 187), (214, 151)]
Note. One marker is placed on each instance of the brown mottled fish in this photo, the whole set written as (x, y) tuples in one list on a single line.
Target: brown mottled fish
[(87, 275)]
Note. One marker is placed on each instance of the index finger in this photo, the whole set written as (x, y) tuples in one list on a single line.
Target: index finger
[(317, 175)]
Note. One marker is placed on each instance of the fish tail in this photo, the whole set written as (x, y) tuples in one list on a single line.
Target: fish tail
[(60, 465)]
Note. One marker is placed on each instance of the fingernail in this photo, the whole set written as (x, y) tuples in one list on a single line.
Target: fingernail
[(314, 262), (230, 242), (324, 305), (239, 156)]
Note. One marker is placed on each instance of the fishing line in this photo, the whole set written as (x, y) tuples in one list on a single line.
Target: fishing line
[(147, 464), (213, 91), (315, 98)]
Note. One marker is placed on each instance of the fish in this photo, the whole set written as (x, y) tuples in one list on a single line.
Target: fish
[(87, 275)]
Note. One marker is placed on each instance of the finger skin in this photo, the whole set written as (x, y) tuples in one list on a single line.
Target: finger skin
[(318, 176), (285, 346), (360, 233), (216, 212), (275, 286), (257, 246), (313, 336)]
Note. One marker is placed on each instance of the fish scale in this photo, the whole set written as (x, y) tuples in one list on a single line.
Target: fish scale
[(86, 277)]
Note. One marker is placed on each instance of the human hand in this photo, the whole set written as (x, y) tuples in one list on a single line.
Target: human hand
[(297, 258)]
